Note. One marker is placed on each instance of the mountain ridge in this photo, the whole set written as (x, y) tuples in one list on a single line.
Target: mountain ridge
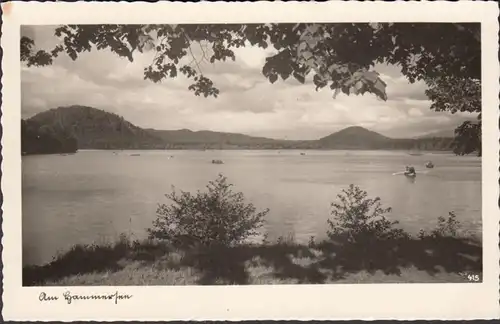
[(97, 129), (441, 133)]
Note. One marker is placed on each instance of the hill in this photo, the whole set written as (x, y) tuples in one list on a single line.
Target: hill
[(359, 138), (184, 138), (43, 139), (449, 133), (354, 137), (96, 129)]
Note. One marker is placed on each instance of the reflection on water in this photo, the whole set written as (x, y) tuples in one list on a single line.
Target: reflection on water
[(93, 196)]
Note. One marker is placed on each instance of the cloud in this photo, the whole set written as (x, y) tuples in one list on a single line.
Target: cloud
[(248, 103), (401, 89)]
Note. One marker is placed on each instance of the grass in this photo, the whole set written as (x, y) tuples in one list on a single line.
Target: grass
[(410, 260)]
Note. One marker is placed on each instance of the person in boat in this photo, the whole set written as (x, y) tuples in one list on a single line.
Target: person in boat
[(410, 170), (429, 165)]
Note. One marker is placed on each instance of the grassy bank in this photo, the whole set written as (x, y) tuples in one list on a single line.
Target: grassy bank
[(419, 260), (199, 239)]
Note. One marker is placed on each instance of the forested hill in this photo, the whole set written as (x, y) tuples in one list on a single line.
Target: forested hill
[(43, 139), (96, 129), (185, 138), (359, 138)]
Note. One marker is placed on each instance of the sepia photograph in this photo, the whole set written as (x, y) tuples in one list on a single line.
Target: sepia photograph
[(251, 154), (286, 153)]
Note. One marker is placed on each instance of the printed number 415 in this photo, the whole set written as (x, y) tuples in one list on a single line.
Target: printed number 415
[(473, 277)]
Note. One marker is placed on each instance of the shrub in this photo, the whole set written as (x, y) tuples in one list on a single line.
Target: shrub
[(265, 239), (216, 217), (312, 241), (289, 239), (360, 219), (446, 227)]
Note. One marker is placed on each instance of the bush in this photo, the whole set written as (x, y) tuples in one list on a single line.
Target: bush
[(312, 242), (360, 219), (216, 217), (289, 239), (446, 227)]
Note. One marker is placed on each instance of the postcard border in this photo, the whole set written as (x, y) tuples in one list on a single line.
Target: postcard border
[(461, 298)]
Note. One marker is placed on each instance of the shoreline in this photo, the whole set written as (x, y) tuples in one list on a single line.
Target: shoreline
[(406, 152), (148, 262)]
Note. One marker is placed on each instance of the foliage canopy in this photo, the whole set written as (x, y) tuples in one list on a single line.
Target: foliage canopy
[(341, 56)]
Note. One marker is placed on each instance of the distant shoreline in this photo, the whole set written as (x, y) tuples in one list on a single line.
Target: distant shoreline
[(264, 149), (406, 152), (80, 127)]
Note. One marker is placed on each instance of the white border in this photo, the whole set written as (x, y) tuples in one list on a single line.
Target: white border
[(304, 302)]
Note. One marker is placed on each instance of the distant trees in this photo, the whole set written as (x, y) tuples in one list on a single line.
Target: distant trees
[(36, 139), (97, 129)]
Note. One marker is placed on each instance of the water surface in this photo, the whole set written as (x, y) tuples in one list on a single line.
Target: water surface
[(93, 196)]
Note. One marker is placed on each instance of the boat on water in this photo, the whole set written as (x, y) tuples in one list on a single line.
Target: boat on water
[(302, 153), (410, 172), (429, 165), (217, 162), (135, 154)]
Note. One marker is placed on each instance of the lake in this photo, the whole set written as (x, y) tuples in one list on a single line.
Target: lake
[(93, 196)]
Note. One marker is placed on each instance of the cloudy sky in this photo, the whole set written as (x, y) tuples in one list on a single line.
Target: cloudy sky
[(248, 103)]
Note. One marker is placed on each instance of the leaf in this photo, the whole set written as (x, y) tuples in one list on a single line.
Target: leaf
[(371, 76), (299, 77), (302, 47), (379, 88), (273, 78), (306, 55), (358, 87)]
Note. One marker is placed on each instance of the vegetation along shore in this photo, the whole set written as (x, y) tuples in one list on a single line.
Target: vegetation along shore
[(205, 238)]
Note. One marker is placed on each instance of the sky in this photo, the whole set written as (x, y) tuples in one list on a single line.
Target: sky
[(247, 104)]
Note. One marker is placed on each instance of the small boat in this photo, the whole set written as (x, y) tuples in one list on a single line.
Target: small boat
[(217, 162), (302, 153), (410, 174), (135, 154), (429, 165)]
